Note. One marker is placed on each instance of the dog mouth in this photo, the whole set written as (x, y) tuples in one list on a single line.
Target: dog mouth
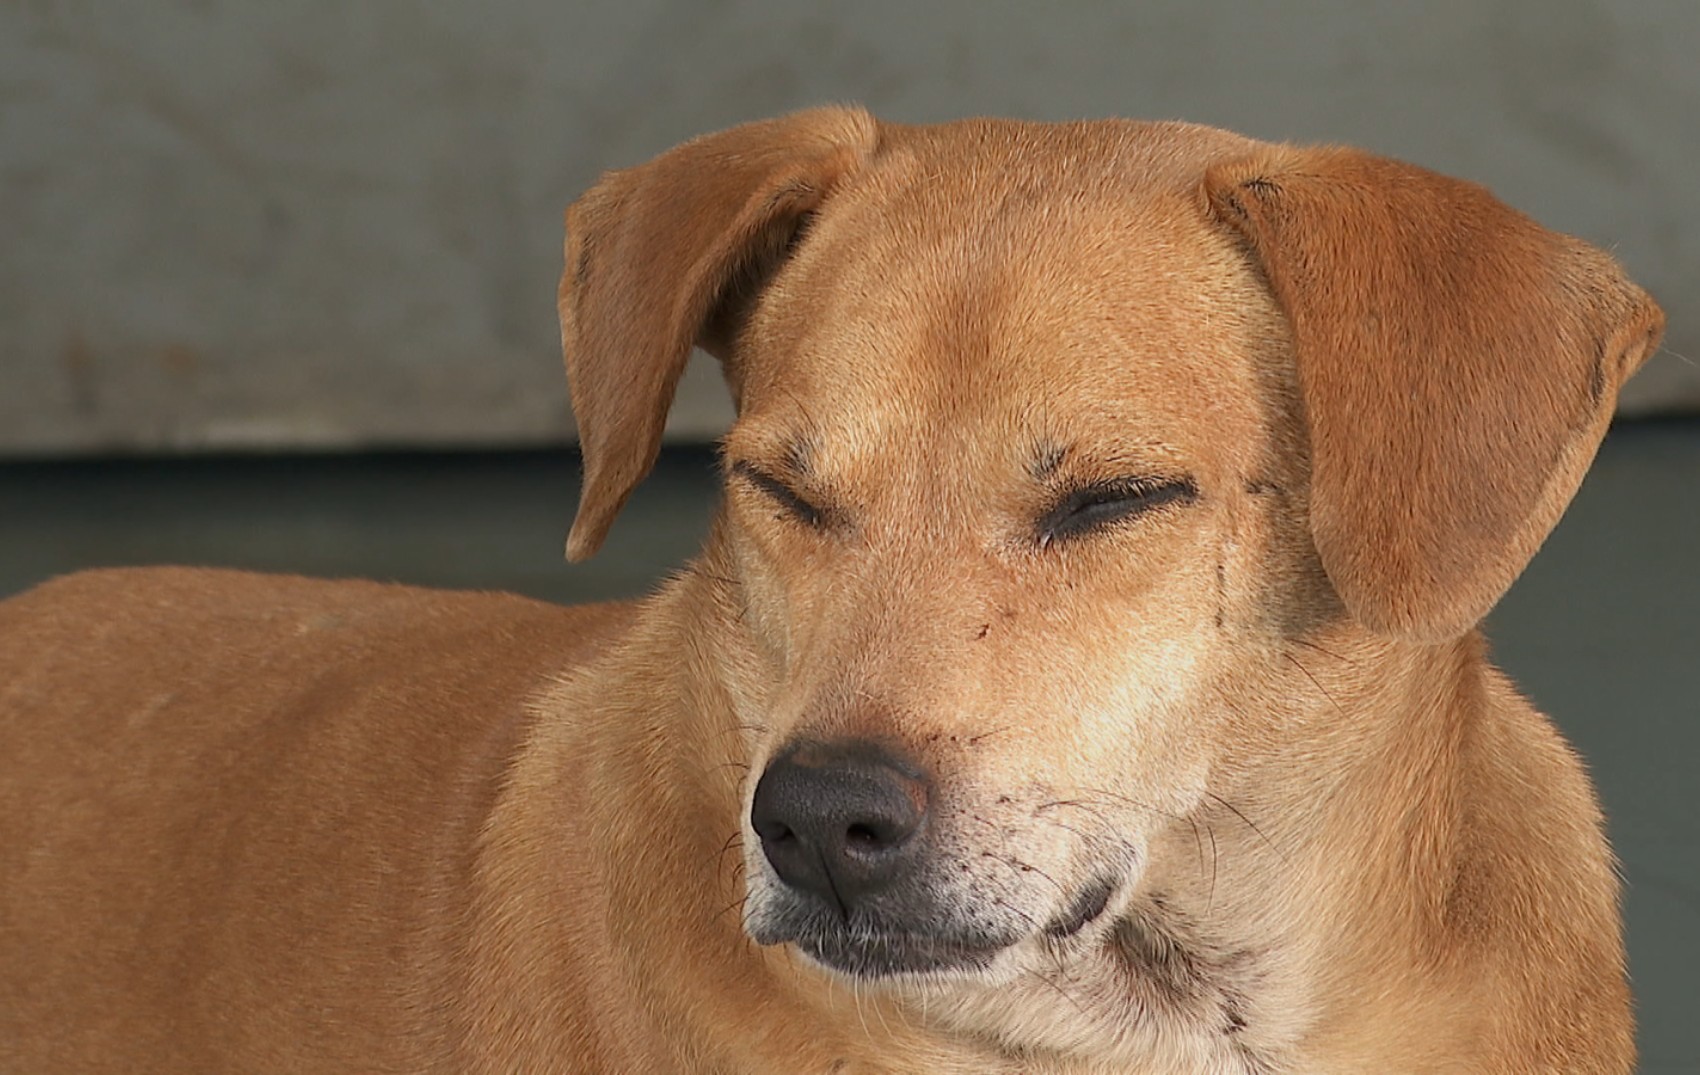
[(865, 951), (890, 954)]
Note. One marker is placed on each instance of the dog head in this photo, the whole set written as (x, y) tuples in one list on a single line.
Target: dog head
[(1051, 440)]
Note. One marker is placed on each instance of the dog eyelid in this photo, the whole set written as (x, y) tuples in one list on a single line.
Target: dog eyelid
[(788, 498), (1086, 508)]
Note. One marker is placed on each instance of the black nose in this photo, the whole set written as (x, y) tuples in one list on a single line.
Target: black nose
[(840, 820)]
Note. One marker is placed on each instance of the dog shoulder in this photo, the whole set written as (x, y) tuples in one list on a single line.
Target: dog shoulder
[(180, 599), (91, 639)]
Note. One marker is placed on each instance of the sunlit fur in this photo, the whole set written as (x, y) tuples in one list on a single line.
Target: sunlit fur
[(1340, 842)]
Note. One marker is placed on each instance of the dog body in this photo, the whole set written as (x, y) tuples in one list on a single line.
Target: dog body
[(1081, 674)]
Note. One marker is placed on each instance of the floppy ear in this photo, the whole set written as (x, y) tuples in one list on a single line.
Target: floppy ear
[(661, 257), (1458, 366)]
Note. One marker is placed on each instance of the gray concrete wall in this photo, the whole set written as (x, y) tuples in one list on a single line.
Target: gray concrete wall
[(323, 222)]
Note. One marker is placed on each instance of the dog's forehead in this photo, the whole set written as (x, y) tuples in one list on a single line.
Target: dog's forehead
[(1115, 154), (1056, 283)]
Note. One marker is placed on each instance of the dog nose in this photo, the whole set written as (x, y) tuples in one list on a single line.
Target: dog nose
[(840, 820)]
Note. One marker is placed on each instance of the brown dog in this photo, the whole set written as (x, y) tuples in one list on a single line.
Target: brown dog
[(1082, 674)]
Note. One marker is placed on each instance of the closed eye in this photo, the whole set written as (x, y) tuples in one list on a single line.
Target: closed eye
[(793, 502), (1087, 508)]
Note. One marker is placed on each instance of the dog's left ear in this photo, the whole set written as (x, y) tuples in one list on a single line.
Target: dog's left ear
[(1458, 365), (662, 256)]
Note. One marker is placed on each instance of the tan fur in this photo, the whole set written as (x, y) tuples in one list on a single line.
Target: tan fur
[(261, 824)]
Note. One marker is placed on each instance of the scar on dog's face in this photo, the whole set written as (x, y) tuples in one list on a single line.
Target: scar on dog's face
[(1007, 480)]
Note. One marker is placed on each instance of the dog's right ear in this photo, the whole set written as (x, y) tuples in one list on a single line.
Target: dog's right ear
[(661, 257)]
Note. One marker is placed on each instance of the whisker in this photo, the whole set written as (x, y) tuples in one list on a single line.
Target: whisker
[(1325, 651), (1076, 804), (1024, 867), (861, 1016), (1677, 355), (1210, 900), (1090, 793), (879, 1010), (739, 903), (1197, 842), (1088, 837), (1228, 703), (1232, 809), (1028, 920), (1314, 682), (734, 840), (1060, 991)]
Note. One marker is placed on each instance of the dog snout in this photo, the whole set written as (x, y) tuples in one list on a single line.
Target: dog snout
[(840, 821)]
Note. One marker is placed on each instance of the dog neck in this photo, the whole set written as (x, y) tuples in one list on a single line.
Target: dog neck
[(1329, 864)]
